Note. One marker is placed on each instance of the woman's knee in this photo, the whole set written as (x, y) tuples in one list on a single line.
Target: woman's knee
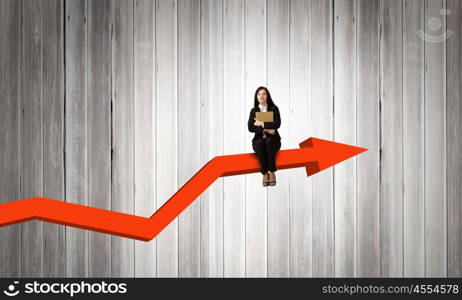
[(273, 143), (258, 145)]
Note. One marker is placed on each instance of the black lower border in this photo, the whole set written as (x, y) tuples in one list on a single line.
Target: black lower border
[(275, 288)]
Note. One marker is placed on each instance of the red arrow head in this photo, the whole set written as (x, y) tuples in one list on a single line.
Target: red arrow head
[(328, 154)]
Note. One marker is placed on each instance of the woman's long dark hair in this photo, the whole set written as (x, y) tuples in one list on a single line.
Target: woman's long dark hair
[(269, 100)]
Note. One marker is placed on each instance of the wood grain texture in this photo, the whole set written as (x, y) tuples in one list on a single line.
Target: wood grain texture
[(435, 141), (54, 256), (123, 136), (413, 140), (345, 106), (300, 186), (234, 120), (99, 129), (391, 126), (116, 104), (166, 130), (212, 129), (454, 138), (76, 159), (367, 135), (145, 128), (256, 233), (31, 133), (189, 143), (10, 114), (278, 82), (322, 127)]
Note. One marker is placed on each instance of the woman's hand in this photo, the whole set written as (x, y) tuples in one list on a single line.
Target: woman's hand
[(270, 131), (257, 123)]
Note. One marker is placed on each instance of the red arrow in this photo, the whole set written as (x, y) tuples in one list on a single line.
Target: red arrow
[(315, 155)]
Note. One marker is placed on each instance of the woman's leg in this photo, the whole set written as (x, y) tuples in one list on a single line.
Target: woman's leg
[(272, 146), (259, 148)]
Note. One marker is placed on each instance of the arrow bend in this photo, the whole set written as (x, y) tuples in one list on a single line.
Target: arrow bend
[(314, 154)]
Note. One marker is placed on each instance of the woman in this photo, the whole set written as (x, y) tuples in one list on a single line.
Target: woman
[(267, 140)]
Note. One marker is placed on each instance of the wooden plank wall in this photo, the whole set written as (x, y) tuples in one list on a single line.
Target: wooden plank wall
[(454, 139), (321, 113), (256, 208), (116, 104)]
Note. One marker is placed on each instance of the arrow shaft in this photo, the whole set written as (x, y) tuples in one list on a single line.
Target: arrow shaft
[(248, 163), (227, 166), (131, 226), (315, 155)]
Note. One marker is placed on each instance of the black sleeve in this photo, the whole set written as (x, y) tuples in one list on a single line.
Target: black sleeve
[(253, 128), (276, 122)]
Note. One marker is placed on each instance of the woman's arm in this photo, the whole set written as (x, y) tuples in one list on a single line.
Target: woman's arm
[(276, 122), (253, 128)]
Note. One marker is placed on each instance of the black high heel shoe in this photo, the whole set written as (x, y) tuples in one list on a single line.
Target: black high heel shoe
[(265, 179), (272, 179)]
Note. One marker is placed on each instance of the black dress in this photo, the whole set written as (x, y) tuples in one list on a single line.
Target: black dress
[(266, 148)]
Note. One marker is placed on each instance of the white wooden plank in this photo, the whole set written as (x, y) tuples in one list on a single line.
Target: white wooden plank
[(454, 138), (166, 131), (278, 86), (31, 133), (10, 20), (225, 233), (300, 193), (391, 193), (189, 143), (413, 140), (76, 133), (235, 120), (255, 193), (435, 141), (344, 132), (145, 131), (99, 130), (54, 263), (368, 136), (212, 135), (123, 140), (322, 127)]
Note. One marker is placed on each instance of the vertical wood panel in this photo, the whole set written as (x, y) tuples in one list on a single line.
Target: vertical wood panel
[(367, 136), (435, 140), (123, 140), (189, 120), (99, 129), (76, 132), (235, 118), (10, 31), (31, 133), (256, 205), (454, 138), (53, 136), (278, 82), (391, 194), (322, 127), (300, 239), (166, 131), (145, 110), (413, 140), (212, 135), (344, 132)]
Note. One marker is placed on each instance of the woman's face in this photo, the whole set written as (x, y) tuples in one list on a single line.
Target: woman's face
[(261, 96)]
